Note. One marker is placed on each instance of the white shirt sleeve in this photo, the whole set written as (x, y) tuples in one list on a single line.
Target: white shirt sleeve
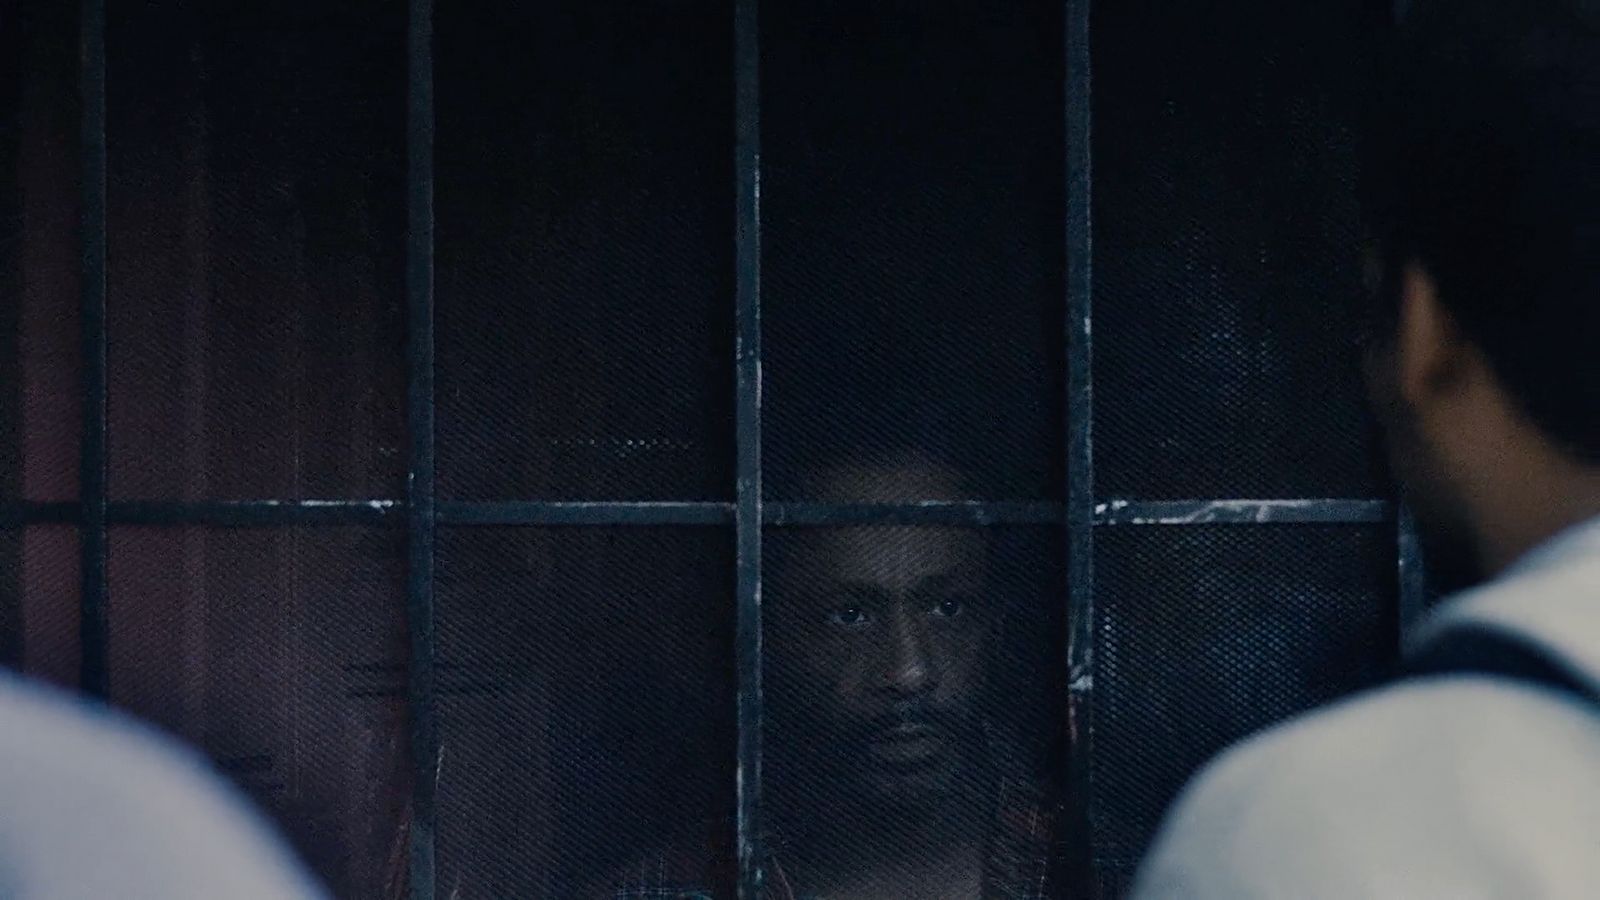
[(93, 805), (1454, 788)]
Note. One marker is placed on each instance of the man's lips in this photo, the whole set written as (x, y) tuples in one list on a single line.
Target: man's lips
[(907, 744)]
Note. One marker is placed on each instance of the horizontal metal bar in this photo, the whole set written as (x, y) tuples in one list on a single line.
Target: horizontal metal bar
[(15, 515), (1309, 511), (253, 513), (533, 512), (512, 513), (931, 512), (242, 513)]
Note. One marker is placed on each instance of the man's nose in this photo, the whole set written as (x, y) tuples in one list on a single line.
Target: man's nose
[(910, 671)]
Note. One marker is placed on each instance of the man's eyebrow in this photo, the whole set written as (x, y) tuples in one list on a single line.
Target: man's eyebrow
[(942, 581), (864, 590)]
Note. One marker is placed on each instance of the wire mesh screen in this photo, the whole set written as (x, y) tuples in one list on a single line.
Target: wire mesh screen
[(12, 596), (280, 652), (255, 191), (912, 237), (1207, 633), (914, 725), (1226, 263), (39, 599), (912, 296), (587, 711), (585, 250), (12, 234), (40, 389)]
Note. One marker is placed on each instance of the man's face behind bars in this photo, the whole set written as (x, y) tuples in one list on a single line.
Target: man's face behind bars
[(876, 647)]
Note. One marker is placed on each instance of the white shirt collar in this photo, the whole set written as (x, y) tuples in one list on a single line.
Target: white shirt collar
[(1573, 542)]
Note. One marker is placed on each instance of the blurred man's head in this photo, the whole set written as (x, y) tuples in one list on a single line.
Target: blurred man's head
[(1484, 196), (876, 645)]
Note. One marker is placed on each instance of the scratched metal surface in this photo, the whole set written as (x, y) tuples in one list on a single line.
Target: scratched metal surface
[(1241, 512)]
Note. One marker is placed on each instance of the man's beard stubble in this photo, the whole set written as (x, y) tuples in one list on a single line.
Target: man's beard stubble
[(832, 766)]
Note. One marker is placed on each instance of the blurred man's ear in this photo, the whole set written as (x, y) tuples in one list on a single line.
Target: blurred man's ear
[(1431, 358)]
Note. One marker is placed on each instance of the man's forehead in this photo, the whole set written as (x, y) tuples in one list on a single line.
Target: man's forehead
[(894, 558), (891, 558), (914, 476)]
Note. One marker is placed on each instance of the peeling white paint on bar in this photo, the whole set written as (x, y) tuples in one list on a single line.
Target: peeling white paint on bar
[(1231, 510), (1200, 512)]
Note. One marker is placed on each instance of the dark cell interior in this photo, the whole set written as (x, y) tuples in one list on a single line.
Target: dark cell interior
[(914, 247), (584, 185), (914, 311), (1227, 251)]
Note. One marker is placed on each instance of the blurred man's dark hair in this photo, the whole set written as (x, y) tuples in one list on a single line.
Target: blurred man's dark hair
[(1481, 169), (1484, 205)]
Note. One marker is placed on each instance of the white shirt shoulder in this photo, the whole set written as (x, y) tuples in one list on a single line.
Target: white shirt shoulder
[(1451, 787), (97, 805)]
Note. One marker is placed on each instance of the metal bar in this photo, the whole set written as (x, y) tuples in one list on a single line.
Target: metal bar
[(1242, 512), (747, 418), (969, 513), (1080, 503), (421, 686), (16, 515), (249, 513), (1413, 579), (542, 513), (14, 45), (94, 628)]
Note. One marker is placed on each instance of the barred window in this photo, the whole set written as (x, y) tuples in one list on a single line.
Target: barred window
[(682, 448)]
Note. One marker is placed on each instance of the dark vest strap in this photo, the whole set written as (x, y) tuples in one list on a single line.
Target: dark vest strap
[(1485, 650)]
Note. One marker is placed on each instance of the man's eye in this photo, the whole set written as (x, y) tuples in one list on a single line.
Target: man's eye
[(848, 617), (949, 608)]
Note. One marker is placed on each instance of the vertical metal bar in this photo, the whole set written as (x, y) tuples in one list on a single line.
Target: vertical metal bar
[(747, 386), (421, 688), (1413, 580), (1412, 598), (13, 49), (93, 626), (1080, 507)]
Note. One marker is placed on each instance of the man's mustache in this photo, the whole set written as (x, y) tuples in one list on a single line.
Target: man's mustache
[(919, 714)]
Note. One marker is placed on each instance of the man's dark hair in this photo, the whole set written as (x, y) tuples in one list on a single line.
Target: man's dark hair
[(1484, 167)]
